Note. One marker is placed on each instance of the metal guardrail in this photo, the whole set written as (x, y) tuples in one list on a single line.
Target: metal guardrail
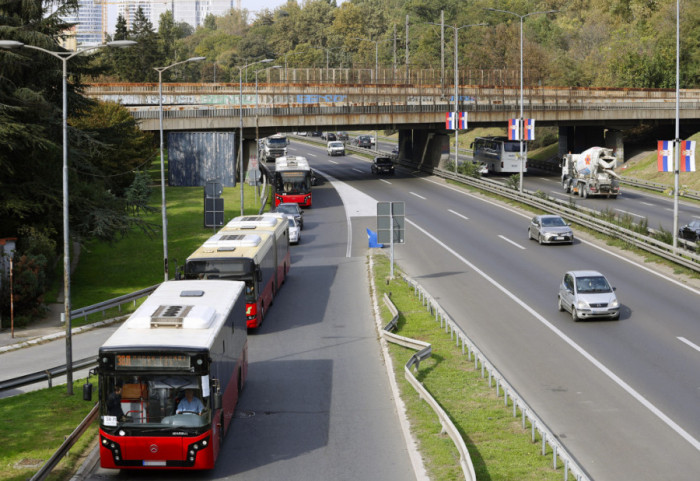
[(116, 302), (45, 375), (425, 351), (582, 216), (655, 186), (472, 351), (46, 469)]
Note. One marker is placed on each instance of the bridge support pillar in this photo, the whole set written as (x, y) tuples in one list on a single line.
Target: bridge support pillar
[(613, 140), (424, 148), (249, 147)]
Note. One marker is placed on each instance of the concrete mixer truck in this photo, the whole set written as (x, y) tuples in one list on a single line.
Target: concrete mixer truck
[(590, 173)]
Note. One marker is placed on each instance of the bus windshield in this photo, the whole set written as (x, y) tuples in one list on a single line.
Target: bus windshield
[(232, 268), (298, 182), (152, 400)]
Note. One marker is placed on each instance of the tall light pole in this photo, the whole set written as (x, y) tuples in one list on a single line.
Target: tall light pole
[(240, 116), (456, 66), (521, 17), (160, 71), (677, 140), (64, 57)]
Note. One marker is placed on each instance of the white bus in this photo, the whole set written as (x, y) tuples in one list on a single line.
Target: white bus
[(499, 154)]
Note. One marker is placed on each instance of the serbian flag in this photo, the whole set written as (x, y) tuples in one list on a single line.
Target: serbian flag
[(456, 120), (687, 156), (513, 129), (529, 129), (664, 157)]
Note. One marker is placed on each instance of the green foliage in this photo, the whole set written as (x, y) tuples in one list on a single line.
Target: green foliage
[(513, 182), (471, 169), (138, 193)]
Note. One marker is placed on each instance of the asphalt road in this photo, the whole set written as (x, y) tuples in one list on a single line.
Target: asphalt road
[(623, 396), (317, 404)]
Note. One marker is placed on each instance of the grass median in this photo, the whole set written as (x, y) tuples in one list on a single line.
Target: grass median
[(499, 447)]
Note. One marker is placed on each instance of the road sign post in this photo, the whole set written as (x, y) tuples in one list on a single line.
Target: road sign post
[(391, 226)]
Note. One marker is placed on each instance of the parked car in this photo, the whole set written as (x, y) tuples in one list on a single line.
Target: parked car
[(294, 230), (550, 229), (292, 209), (342, 136), (588, 295), (316, 134), (690, 231), (382, 165), (335, 148), (362, 141)]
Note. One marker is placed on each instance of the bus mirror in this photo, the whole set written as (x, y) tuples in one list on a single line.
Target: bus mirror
[(258, 274), (216, 401), (87, 391)]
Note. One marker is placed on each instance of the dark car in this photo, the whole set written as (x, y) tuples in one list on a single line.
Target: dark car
[(363, 141), (342, 136), (382, 165), (690, 231), (290, 208), (330, 136), (316, 134)]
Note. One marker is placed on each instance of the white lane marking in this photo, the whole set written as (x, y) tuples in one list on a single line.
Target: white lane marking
[(512, 242), (332, 161), (458, 214), (646, 203), (561, 194), (385, 181), (616, 379), (358, 170), (590, 244), (684, 340), (419, 196), (627, 212)]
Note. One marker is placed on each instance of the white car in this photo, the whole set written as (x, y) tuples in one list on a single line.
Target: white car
[(294, 231), (335, 148), (588, 295)]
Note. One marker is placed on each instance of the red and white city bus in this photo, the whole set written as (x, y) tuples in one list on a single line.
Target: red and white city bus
[(292, 180), (186, 336), (239, 256), (269, 223)]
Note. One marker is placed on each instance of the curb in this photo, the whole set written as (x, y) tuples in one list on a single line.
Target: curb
[(57, 335)]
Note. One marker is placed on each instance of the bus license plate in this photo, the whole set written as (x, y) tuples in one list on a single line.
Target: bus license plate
[(154, 463)]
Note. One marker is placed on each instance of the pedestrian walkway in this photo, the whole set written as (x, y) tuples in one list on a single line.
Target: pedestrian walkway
[(50, 327)]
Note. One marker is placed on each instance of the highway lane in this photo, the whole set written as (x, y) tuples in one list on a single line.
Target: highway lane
[(622, 395), (637, 204), (317, 404)]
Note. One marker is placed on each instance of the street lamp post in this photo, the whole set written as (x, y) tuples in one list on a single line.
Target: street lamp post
[(64, 57), (160, 71), (521, 17), (456, 80), (240, 116)]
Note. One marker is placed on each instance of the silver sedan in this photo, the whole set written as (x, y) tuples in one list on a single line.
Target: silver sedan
[(550, 229)]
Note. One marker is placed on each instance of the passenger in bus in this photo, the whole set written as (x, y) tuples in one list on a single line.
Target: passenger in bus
[(114, 402), (190, 404)]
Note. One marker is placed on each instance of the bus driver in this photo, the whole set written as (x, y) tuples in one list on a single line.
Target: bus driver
[(190, 404)]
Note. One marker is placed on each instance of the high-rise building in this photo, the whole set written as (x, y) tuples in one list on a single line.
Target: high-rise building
[(88, 18), (128, 9), (192, 12)]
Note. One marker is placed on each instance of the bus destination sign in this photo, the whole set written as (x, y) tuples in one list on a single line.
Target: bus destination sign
[(153, 361)]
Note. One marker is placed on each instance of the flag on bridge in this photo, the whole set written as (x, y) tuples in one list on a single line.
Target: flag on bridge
[(687, 156), (513, 129), (529, 129), (664, 157), (456, 121)]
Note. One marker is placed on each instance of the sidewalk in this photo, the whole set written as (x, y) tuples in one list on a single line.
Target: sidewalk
[(48, 328)]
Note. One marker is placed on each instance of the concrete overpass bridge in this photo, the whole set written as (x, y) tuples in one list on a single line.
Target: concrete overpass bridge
[(320, 99)]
